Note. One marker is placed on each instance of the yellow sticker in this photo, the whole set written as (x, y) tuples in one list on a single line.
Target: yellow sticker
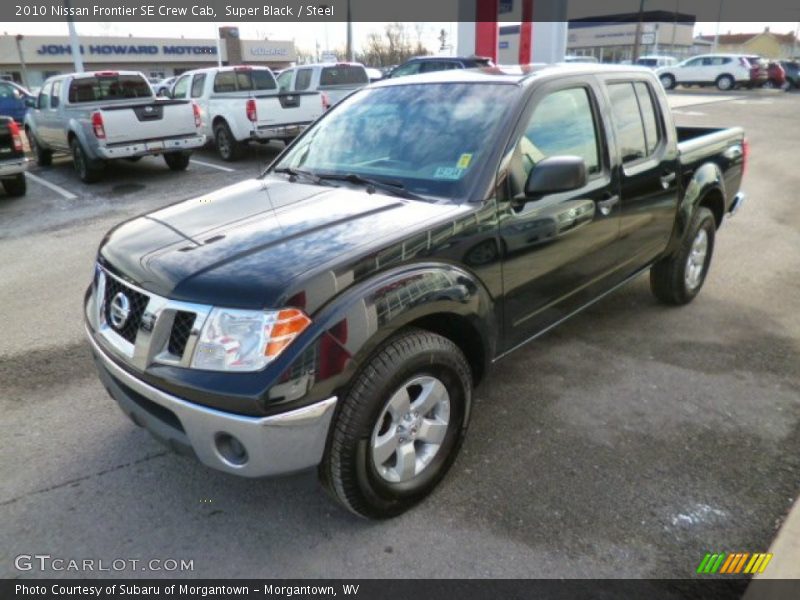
[(464, 161)]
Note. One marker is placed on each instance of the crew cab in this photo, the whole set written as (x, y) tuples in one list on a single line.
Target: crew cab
[(243, 104), (725, 71), (335, 80), (107, 115), (12, 158), (338, 311)]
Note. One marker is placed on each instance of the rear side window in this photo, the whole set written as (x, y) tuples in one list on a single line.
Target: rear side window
[(650, 118), (55, 99), (198, 83), (108, 87), (628, 122), (244, 80), (225, 81), (342, 75), (303, 79), (260, 79)]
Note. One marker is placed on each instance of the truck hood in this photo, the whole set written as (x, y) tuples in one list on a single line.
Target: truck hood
[(247, 245)]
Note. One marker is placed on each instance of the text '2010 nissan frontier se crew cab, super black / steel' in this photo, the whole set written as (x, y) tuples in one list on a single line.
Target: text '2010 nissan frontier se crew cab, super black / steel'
[(338, 311)]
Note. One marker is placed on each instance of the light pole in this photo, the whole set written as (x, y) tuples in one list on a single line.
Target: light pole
[(716, 33), (349, 33), (638, 34), (77, 58)]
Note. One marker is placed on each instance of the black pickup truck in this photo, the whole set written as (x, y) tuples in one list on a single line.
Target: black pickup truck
[(338, 311), (12, 158)]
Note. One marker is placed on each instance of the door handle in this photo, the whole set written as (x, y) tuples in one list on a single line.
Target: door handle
[(607, 205), (667, 179)]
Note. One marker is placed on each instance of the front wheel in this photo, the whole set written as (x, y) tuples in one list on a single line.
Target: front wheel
[(725, 83), (44, 158), (668, 81), (678, 278), (16, 186), (177, 161), (399, 428)]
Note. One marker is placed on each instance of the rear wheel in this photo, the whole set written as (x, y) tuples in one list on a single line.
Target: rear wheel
[(87, 170), (668, 81), (44, 158), (177, 161), (678, 278), (399, 428), (227, 146), (725, 83), (15, 186)]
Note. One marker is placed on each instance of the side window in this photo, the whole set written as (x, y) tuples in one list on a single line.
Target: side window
[(303, 79), (650, 118), (563, 123), (6, 90), (695, 62), (198, 85), (181, 87), (44, 97), (55, 99), (225, 81), (410, 69), (285, 80), (636, 120)]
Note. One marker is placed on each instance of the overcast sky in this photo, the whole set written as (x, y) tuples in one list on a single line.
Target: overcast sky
[(307, 35)]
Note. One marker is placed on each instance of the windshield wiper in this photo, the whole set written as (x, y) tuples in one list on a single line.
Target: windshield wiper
[(294, 174), (393, 187)]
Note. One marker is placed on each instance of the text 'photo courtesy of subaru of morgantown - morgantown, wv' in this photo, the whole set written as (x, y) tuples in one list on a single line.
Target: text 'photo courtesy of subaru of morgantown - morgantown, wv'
[(338, 311)]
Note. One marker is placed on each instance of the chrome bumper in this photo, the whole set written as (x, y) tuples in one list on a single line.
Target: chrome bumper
[(267, 132), (13, 167), (738, 201), (242, 445), (151, 147)]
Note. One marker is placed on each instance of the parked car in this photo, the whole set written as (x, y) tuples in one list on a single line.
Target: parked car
[(656, 61), (14, 100), (776, 75), (759, 71), (334, 80), (337, 311), (12, 158), (374, 74), (725, 71), (243, 104), (164, 87), (107, 115), (791, 68), (429, 64)]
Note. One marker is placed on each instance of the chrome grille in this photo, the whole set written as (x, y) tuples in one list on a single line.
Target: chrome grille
[(138, 303), (181, 330)]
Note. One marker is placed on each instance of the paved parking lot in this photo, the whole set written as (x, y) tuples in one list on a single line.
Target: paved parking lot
[(625, 443)]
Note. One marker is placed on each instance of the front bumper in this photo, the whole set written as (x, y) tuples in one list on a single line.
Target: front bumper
[(242, 445), (146, 148), (13, 166)]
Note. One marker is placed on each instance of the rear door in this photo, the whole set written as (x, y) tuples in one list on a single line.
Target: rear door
[(56, 129), (43, 115), (559, 249), (649, 170)]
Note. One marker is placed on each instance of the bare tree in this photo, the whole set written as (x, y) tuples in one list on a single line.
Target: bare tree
[(392, 47)]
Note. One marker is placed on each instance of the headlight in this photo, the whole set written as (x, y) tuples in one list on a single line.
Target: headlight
[(246, 340)]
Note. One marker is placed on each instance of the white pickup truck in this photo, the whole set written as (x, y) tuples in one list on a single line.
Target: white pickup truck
[(243, 104), (105, 115), (335, 80)]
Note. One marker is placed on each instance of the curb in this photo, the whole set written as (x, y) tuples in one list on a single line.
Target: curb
[(785, 548)]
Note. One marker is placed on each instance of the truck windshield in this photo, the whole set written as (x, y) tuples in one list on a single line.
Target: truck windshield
[(431, 138), (108, 87)]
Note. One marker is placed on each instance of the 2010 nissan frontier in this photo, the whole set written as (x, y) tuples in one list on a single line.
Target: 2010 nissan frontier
[(338, 311)]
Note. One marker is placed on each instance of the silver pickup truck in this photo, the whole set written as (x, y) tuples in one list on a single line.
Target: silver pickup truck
[(106, 115)]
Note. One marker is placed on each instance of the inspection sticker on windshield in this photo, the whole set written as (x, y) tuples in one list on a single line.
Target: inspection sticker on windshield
[(448, 173), (464, 160)]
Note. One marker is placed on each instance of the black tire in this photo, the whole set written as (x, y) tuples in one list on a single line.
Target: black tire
[(668, 81), (16, 186), (44, 158), (348, 471), (177, 161), (668, 277), (227, 146), (88, 171), (725, 83)]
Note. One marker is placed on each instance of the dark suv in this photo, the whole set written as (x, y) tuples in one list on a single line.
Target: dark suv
[(429, 64)]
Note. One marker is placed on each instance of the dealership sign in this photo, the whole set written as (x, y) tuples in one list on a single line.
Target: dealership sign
[(125, 49)]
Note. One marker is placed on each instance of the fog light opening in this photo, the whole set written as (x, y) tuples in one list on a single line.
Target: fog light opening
[(231, 449)]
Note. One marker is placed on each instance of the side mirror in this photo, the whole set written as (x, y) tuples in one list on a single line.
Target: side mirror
[(30, 101), (555, 174)]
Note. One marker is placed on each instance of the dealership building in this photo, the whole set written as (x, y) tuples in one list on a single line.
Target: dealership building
[(31, 59), (611, 38)]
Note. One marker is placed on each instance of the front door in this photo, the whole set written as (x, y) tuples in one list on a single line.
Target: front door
[(559, 248)]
